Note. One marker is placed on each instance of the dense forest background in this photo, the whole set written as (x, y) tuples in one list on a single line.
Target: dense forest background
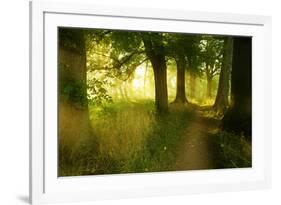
[(151, 101)]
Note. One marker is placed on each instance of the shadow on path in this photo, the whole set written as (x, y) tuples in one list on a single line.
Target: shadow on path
[(196, 151)]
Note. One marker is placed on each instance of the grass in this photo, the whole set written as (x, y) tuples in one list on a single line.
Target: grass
[(128, 137), (160, 150), (233, 151)]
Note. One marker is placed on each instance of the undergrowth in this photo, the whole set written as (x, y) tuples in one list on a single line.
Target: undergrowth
[(126, 138), (234, 151)]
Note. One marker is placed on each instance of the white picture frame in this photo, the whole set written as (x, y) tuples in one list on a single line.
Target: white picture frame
[(46, 186)]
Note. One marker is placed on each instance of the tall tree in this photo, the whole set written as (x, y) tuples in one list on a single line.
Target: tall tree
[(73, 105), (194, 63), (128, 50), (192, 84), (211, 55), (221, 102), (239, 117), (211, 71), (176, 50), (154, 49), (183, 49), (180, 92)]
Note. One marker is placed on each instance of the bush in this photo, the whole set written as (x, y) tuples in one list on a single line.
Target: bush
[(234, 151)]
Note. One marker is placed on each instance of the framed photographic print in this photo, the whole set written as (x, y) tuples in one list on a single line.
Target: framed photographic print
[(130, 102)]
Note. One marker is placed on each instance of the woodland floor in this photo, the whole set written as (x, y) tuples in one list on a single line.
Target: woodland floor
[(185, 139), (197, 149)]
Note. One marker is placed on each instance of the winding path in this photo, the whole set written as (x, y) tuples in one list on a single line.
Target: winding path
[(196, 150)]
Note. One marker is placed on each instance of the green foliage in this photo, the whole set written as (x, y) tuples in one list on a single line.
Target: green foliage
[(160, 150), (72, 39), (185, 48), (211, 49), (97, 92), (124, 41), (70, 89), (233, 151), (127, 138), (117, 52), (155, 43)]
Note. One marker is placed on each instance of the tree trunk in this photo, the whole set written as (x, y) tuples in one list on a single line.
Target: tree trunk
[(154, 51), (239, 117), (192, 84), (180, 95), (160, 79), (73, 107), (221, 102), (209, 87)]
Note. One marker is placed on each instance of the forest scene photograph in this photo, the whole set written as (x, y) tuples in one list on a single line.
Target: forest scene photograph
[(141, 101)]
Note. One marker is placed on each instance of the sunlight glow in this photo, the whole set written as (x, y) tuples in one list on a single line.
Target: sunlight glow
[(137, 83), (174, 81), (139, 77), (140, 71)]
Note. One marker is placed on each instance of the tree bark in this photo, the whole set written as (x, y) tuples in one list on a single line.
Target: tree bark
[(154, 52), (209, 87), (73, 106), (160, 79), (192, 84), (239, 117), (125, 91), (180, 94), (222, 102)]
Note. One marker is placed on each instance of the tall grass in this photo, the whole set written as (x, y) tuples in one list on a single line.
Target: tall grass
[(129, 137), (122, 130), (160, 150), (73, 134)]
